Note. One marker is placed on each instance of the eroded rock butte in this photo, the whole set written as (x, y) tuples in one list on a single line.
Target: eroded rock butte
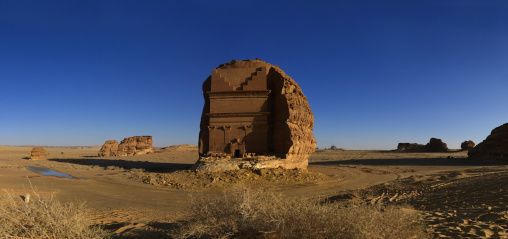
[(434, 145), (129, 146), (254, 116), (110, 148), (135, 145), (38, 153), (495, 146)]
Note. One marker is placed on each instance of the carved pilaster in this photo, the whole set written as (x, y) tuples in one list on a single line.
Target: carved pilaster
[(211, 136), (227, 130)]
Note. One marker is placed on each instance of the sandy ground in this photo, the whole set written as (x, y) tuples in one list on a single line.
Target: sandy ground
[(142, 196)]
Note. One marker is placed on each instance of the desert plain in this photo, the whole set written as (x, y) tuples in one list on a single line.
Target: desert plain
[(143, 196)]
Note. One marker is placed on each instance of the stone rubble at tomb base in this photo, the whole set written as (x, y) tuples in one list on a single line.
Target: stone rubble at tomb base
[(38, 153), (254, 116), (135, 145), (495, 146)]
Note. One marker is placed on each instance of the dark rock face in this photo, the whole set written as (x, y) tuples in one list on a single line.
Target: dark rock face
[(38, 153), (467, 145), (110, 148), (436, 145), (252, 108), (410, 147), (495, 146)]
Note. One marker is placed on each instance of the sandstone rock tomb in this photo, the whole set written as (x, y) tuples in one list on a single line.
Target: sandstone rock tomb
[(254, 116)]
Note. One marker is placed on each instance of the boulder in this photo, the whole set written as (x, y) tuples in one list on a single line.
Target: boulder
[(495, 146), (436, 145), (467, 145), (38, 153), (135, 145), (252, 108), (110, 148)]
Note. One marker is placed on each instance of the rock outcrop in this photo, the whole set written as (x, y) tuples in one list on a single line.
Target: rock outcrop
[(495, 146), (38, 153), (110, 148), (254, 111), (410, 147), (135, 145), (467, 145), (436, 145)]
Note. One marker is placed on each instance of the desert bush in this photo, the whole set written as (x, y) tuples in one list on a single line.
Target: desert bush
[(257, 213), (44, 217)]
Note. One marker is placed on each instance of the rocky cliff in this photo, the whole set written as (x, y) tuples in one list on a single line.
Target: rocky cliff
[(495, 146)]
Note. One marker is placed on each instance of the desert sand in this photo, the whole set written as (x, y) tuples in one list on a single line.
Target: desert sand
[(144, 195)]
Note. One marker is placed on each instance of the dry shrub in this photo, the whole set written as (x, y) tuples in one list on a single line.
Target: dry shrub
[(44, 217), (256, 213)]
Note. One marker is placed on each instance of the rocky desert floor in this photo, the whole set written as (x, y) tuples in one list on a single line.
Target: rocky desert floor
[(143, 196)]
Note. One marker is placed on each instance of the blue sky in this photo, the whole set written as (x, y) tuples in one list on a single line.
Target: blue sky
[(376, 73)]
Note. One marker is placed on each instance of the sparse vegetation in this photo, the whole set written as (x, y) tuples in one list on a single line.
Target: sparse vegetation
[(255, 213), (44, 217), (188, 179)]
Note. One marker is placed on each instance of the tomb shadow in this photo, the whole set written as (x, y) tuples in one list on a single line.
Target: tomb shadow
[(413, 162), (154, 167)]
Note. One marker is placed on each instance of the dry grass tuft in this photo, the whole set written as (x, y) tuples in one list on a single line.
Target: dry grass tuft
[(256, 213), (44, 217)]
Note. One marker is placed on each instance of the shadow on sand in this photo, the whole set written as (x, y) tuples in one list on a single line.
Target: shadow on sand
[(150, 230), (413, 162), (147, 166)]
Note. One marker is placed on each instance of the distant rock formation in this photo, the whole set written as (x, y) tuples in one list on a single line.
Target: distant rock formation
[(38, 153), (135, 145), (436, 145), (180, 147), (495, 146), (110, 148), (129, 146), (410, 147), (467, 145), (253, 109)]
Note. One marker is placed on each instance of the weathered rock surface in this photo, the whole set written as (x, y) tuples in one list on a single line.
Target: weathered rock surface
[(495, 146), (38, 153), (253, 108), (110, 148), (135, 145), (410, 147), (436, 145), (467, 145)]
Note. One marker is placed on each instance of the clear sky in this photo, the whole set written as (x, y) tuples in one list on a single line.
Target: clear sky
[(375, 73)]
